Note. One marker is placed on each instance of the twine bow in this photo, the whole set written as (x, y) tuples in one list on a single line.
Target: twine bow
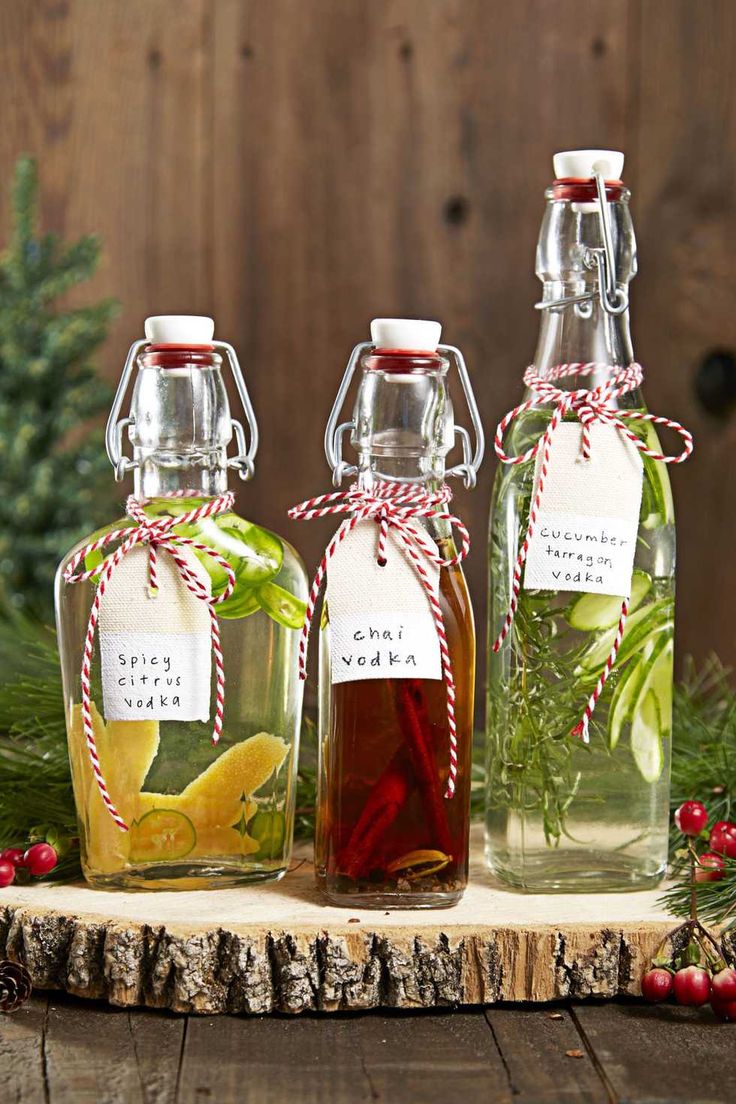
[(157, 533), (394, 507), (594, 405)]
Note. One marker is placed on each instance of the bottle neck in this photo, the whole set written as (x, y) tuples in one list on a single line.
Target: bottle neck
[(403, 424), (422, 471), (159, 476), (584, 333), (180, 424)]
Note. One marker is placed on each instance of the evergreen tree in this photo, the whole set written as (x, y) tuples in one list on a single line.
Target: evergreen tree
[(53, 470)]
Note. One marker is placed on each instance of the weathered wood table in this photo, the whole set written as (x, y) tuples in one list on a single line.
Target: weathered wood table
[(66, 1051), (278, 948)]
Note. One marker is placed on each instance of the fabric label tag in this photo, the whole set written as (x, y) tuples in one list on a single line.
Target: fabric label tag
[(587, 524), (156, 651), (381, 624)]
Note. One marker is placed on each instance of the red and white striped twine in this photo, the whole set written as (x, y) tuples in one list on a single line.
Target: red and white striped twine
[(392, 506), (158, 534), (594, 405)]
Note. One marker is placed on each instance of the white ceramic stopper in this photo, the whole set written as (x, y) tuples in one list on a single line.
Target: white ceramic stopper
[(581, 164), (179, 329), (406, 333)]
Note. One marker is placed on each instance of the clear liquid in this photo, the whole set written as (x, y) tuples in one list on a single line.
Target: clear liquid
[(227, 828), (560, 815)]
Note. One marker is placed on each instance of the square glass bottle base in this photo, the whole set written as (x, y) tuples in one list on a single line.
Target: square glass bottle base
[(183, 876), (577, 872), (393, 900), (387, 898)]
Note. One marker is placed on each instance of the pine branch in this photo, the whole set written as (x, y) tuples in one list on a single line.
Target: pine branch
[(55, 484), (704, 740), (716, 900), (36, 799), (704, 769)]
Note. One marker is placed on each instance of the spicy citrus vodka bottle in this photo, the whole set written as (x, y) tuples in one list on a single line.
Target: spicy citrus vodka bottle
[(195, 814), (562, 814), (388, 834)]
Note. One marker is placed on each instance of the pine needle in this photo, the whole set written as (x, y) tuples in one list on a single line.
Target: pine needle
[(36, 799), (704, 769)]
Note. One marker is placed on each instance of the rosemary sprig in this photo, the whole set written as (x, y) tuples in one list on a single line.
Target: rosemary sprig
[(532, 764)]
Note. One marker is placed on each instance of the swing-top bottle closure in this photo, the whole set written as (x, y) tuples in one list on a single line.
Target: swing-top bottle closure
[(177, 346), (590, 181), (404, 372)]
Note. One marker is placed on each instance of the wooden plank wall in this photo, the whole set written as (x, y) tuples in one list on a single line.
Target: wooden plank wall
[(296, 167)]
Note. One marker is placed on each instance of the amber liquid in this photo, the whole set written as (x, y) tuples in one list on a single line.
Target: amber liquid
[(386, 834)]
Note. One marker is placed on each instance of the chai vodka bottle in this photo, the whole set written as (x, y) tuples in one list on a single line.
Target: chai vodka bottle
[(395, 743)]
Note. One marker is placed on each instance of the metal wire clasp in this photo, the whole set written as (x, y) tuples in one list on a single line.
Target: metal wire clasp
[(243, 461), (613, 299), (335, 430)]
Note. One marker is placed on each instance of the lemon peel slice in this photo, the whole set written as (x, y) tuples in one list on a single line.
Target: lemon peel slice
[(126, 750), (214, 798)]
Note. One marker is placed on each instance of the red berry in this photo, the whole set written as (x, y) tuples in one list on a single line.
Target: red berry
[(724, 1010), (723, 985), (723, 838), (691, 818), (709, 867), (40, 859), (691, 985), (13, 855), (656, 985), (7, 873)]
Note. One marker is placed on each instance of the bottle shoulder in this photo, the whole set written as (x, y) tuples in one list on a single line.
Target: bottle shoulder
[(229, 531), (92, 538)]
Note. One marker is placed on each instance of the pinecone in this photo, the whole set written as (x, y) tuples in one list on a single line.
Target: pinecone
[(15, 985)]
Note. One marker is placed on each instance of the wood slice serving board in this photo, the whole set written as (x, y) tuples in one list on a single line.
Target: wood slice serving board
[(277, 948)]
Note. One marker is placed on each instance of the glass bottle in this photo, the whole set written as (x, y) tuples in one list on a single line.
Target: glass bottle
[(562, 815), (198, 815), (386, 835)]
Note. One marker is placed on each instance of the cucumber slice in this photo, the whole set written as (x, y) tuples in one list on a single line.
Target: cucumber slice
[(649, 620), (646, 742), (623, 699), (659, 683), (591, 612), (635, 680), (282, 606), (657, 505)]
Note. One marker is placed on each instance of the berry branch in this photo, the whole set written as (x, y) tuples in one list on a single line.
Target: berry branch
[(691, 964)]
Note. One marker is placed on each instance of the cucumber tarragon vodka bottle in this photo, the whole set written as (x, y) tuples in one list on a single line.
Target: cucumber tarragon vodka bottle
[(563, 814), (184, 768)]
